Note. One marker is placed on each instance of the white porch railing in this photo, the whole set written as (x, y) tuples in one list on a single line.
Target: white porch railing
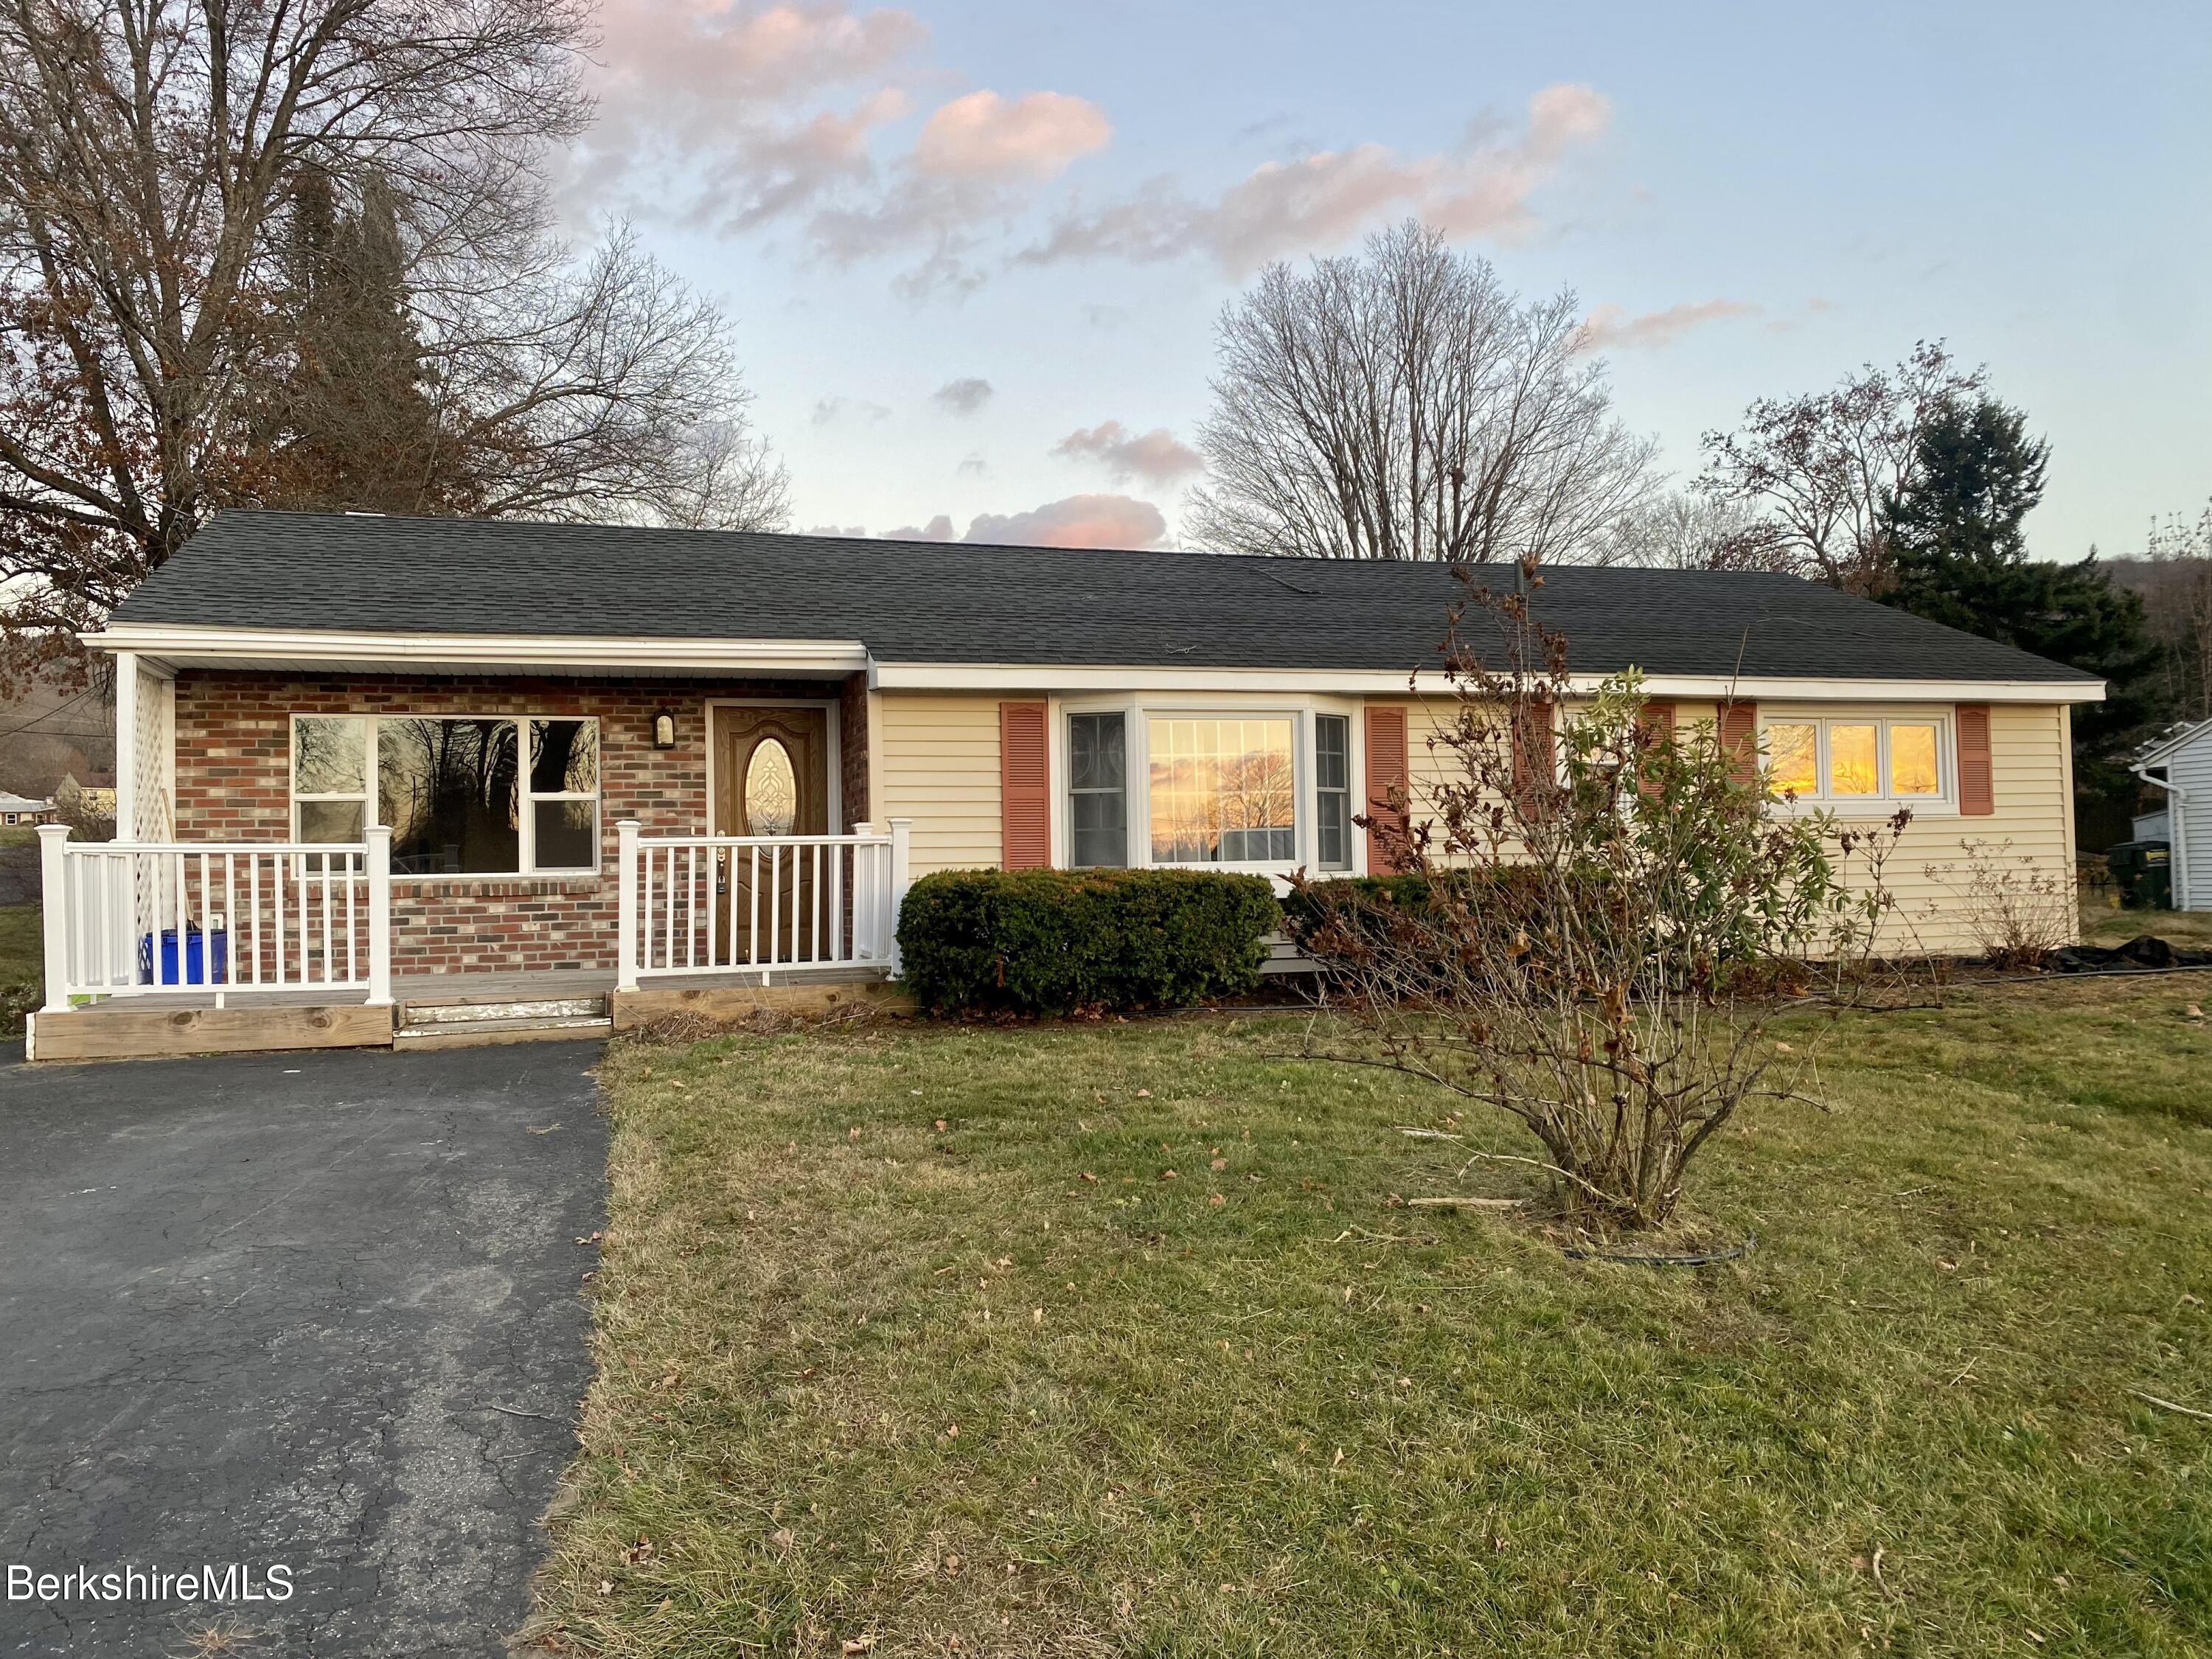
[(148, 918), (719, 904)]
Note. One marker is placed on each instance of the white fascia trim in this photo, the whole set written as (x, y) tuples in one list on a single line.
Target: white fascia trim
[(1068, 677), (213, 646), (2166, 748)]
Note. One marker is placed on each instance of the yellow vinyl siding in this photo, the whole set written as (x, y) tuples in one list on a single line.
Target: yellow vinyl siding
[(2030, 774), (939, 766), (1928, 873)]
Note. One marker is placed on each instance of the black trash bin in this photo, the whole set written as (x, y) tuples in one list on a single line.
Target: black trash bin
[(2143, 872)]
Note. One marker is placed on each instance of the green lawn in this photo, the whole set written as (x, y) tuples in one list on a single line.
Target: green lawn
[(907, 1337), (2105, 923), (22, 948), (22, 965)]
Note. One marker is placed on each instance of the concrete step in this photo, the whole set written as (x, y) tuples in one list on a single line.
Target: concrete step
[(442, 1014), (469, 1033)]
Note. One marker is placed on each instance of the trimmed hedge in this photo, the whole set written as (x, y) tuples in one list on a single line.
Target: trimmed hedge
[(1052, 941), (1372, 898), (1374, 911)]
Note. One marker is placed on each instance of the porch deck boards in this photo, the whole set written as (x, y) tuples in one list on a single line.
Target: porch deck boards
[(444, 990), (311, 1016)]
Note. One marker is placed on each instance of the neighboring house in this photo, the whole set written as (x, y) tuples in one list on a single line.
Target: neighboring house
[(96, 793), (504, 695), (2180, 764), (15, 810)]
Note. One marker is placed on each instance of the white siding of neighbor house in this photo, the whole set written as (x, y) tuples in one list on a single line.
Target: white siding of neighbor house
[(938, 763), (1929, 872), (2189, 771)]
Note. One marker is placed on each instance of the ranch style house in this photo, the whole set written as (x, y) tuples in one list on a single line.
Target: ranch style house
[(406, 780)]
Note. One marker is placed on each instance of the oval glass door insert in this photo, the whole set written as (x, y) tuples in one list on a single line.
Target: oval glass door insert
[(771, 790)]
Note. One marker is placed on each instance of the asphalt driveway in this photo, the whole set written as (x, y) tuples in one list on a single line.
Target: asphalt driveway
[(319, 1313)]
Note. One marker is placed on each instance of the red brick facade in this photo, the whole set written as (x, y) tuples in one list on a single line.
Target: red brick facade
[(853, 750), (233, 783)]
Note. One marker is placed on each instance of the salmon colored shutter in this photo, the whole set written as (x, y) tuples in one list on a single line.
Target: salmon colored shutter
[(1740, 738), (1024, 808), (1656, 721), (1535, 758), (1386, 772), (1977, 795)]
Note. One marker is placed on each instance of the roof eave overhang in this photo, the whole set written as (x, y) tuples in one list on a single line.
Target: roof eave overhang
[(175, 646), (1079, 678), (2166, 747)]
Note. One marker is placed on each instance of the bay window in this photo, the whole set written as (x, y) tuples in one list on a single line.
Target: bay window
[(464, 795), (1854, 760), (1221, 790), (1261, 788)]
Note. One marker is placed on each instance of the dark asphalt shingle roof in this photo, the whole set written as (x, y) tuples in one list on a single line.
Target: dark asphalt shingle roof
[(933, 602)]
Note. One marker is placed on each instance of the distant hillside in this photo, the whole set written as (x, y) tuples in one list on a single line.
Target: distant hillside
[(2177, 596), (45, 733)]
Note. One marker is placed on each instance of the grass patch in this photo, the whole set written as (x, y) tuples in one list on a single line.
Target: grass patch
[(1005, 1386), (22, 965), (2107, 924)]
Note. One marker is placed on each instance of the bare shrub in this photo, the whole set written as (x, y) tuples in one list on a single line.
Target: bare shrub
[(2021, 913), (1598, 917), (79, 808)]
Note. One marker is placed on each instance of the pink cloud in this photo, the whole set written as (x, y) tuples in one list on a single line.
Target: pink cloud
[(983, 136), (1076, 521), (726, 115), (706, 110), (1609, 327), (1157, 457), (778, 169), (1324, 200), (698, 68), (1563, 116)]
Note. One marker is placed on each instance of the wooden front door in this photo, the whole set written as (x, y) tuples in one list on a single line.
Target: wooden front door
[(772, 779)]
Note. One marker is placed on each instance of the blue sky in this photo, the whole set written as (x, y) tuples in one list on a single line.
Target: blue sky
[(1056, 200)]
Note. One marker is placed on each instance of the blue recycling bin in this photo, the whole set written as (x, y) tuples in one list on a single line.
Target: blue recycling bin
[(196, 959)]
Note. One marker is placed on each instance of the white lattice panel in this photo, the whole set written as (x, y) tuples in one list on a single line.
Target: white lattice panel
[(152, 770)]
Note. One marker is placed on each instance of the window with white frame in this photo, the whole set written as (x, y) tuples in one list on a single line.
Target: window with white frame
[(1333, 792), (1852, 760), (1264, 788), (1098, 790), (464, 795), (1221, 790)]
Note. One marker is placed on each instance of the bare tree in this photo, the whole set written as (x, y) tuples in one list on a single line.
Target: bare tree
[(148, 151), (2178, 592), (1690, 530), (1594, 914), (1820, 470), (1403, 404)]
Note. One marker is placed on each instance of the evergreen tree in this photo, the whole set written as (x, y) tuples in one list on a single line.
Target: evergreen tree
[(1955, 527), (361, 429), (1960, 554)]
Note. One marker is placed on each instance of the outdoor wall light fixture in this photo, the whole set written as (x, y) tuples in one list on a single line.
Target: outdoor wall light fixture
[(664, 729)]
